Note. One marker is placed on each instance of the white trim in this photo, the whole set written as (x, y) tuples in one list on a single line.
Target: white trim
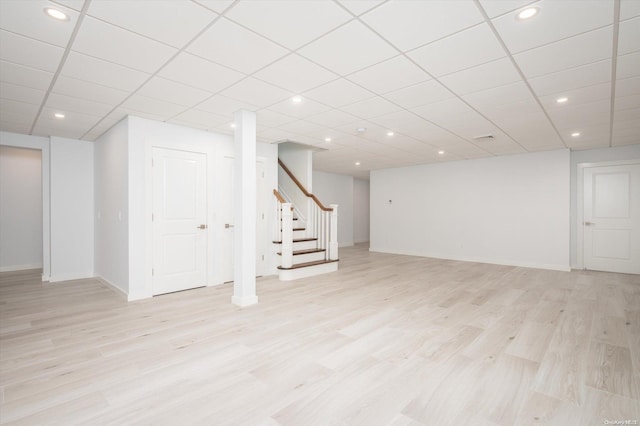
[(123, 294), (244, 301), (13, 268), (535, 265), (307, 271), (71, 277), (580, 202)]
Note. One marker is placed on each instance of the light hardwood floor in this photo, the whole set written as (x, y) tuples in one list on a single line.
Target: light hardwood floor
[(386, 340)]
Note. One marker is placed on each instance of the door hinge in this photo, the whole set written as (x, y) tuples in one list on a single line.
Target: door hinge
[(152, 272)]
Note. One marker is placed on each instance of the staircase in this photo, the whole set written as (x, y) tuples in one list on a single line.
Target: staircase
[(307, 246)]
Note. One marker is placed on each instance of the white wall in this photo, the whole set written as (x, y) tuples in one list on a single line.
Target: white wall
[(360, 210), (111, 257), (20, 208), (592, 156), (299, 160), (511, 210), (331, 188), (72, 206), (41, 144)]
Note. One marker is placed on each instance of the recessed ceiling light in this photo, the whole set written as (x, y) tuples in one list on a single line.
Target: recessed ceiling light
[(562, 100), (357, 163), (390, 133), (296, 99), (58, 115), (527, 13), (361, 129), (232, 125), (327, 139), (441, 152), (575, 134), (56, 14)]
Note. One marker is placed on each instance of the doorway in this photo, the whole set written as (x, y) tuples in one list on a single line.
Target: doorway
[(611, 217), (21, 209), (179, 220)]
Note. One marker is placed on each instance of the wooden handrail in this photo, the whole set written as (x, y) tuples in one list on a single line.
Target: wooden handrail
[(279, 197), (302, 188)]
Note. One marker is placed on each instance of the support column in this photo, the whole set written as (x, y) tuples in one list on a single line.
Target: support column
[(244, 269), (333, 235)]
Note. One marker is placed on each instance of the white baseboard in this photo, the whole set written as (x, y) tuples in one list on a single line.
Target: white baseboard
[(12, 268), (114, 287), (69, 277), (548, 266)]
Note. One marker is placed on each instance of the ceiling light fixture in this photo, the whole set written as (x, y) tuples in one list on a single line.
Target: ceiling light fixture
[(562, 100), (58, 115), (357, 163), (361, 129), (56, 14), (296, 99), (441, 152), (327, 139), (527, 13), (575, 134), (390, 133), (232, 125)]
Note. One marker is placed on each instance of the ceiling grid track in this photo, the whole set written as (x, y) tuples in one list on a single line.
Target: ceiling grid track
[(614, 65)]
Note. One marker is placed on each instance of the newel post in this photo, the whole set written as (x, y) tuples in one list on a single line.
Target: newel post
[(333, 236), (287, 235)]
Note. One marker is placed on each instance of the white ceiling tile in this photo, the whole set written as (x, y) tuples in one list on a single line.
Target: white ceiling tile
[(105, 73), (409, 24), (567, 53), (358, 7), (25, 76), (499, 97), (13, 127), (235, 47), (471, 47), (629, 9), (78, 122), (71, 4), (18, 112), (574, 78), (295, 73), (555, 21), (86, 90), (21, 93), (419, 94), (289, 23), (217, 6), (273, 135), (160, 25), (348, 49), (338, 93), (225, 106), (29, 52), (627, 102), (399, 122), (63, 103), (369, 108), (482, 77), (189, 124), (377, 77), (160, 109), (333, 118), (201, 73), (628, 66), (170, 91), (629, 36), (304, 109), (28, 18), (575, 116), (442, 110), (627, 114), (106, 41), (583, 95), (204, 120), (628, 86), (256, 92), (301, 127), (494, 8)]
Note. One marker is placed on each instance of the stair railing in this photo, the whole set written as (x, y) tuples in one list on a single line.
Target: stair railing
[(322, 221)]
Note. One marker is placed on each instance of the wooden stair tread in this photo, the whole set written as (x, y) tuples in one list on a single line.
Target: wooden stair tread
[(297, 229), (307, 251), (298, 240), (305, 264)]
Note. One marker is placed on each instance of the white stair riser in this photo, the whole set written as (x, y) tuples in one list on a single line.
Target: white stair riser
[(294, 274), (304, 245), (299, 234), (308, 257)]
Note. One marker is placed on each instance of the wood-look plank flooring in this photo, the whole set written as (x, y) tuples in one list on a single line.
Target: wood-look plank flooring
[(386, 340)]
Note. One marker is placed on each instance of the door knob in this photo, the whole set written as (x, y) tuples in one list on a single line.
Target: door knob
[(228, 225), (203, 226), (587, 223)]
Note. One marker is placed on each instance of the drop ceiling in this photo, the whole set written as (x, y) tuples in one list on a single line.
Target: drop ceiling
[(434, 74)]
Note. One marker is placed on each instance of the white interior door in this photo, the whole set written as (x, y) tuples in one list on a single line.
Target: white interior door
[(228, 219), (179, 220), (612, 218)]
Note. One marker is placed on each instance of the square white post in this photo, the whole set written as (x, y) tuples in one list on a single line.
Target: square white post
[(244, 269)]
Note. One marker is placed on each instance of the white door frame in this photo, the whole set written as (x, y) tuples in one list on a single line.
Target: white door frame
[(580, 203)]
